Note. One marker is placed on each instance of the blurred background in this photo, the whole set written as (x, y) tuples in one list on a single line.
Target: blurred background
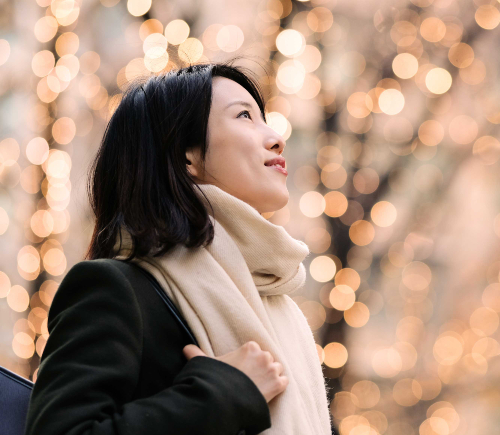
[(391, 114)]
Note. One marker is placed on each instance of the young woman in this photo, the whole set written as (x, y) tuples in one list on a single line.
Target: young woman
[(186, 167)]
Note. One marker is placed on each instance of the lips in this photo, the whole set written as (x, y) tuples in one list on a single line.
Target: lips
[(276, 161), (279, 169)]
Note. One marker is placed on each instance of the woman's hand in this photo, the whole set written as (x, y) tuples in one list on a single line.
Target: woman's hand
[(257, 364)]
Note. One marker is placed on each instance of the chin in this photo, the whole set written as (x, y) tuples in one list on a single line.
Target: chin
[(275, 203)]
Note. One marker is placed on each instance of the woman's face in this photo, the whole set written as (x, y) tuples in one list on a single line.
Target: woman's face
[(239, 143)]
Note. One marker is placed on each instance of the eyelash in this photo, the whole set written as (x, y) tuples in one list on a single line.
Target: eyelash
[(245, 111)]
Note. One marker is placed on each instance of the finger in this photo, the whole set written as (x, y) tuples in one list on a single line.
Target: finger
[(191, 350)]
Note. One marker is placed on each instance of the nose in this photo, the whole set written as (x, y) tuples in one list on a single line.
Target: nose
[(275, 141)]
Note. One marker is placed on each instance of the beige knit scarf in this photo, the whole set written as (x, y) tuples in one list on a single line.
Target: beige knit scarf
[(236, 290)]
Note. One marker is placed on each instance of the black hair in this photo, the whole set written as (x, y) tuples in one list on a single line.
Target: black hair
[(139, 180)]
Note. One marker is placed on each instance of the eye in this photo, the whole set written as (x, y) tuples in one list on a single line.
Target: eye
[(245, 111)]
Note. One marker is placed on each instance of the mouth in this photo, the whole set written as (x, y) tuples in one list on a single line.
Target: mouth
[(278, 160), (278, 168)]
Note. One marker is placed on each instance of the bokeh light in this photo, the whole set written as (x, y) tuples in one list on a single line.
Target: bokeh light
[(390, 116)]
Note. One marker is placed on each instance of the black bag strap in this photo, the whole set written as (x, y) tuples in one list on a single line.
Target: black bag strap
[(168, 302)]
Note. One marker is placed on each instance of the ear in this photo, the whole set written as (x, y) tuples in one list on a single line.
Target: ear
[(192, 163)]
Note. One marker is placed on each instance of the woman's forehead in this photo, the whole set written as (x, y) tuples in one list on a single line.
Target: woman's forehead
[(226, 90)]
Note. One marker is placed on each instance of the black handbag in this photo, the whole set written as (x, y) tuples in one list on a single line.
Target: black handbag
[(15, 391)]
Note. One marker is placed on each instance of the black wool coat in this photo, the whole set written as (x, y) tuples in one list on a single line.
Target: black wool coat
[(113, 364)]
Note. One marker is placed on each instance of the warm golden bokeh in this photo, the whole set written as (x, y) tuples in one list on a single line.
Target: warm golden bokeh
[(391, 101), (438, 80), (361, 232), (348, 277), (335, 204), (4, 51), (390, 115), (383, 214), (138, 7), (405, 65), (335, 355), (342, 297), (357, 315), (177, 31), (323, 268)]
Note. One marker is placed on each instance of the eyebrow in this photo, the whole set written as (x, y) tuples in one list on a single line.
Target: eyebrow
[(245, 104)]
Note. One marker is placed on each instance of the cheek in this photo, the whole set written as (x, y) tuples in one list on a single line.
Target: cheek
[(233, 154), (241, 173)]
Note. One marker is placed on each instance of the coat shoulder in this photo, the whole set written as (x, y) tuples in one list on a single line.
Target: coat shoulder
[(94, 280)]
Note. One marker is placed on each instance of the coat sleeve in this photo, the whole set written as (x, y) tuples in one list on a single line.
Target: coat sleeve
[(90, 368)]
